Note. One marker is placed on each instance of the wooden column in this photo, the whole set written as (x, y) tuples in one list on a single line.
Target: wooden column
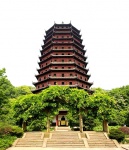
[(56, 120)]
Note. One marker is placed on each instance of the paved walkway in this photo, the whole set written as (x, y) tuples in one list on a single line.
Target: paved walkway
[(41, 148)]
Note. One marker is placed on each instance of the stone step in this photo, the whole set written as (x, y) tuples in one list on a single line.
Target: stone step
[(65, 142), (66, 145)]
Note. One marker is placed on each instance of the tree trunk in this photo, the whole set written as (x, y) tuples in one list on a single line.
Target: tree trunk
[(80, 121), (24, 126), (48, 125), (105, 126)]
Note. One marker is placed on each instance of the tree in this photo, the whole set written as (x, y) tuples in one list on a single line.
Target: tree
[(23, 90), (104, 105), (121, 96), (6, 92), (53, 98), (79, 103)]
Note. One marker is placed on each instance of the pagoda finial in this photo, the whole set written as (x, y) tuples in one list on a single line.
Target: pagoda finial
[(62, 22), (54, 22), (70, 21)]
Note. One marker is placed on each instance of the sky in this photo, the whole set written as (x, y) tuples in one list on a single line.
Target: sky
[(104, 26)]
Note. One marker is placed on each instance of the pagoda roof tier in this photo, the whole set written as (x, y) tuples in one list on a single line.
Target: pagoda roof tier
[(61, 26), (49, 34), (66, 32), (62, 50), (76, 37), (63, 78), (55, 50), (47, 37), (63, 56), (71, 86), (49, 30), (63, 70), (47, 66), (46, 46)]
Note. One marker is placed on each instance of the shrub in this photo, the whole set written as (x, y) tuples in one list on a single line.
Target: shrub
[(124, 130), (113, 127), (16, 131), (10, 130), (98, 128), (116, 134), (6, 141)]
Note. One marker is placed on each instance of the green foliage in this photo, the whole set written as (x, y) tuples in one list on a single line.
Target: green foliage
[(6, 92), (98, 128), (6, 141), (103, 104), (121, 114), (116, 134), (23, 90), (113, 127), (36, 125)]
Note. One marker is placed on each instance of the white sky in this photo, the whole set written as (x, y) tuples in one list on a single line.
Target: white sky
[(104, 27)]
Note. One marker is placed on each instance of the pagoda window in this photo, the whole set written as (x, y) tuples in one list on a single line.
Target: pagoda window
[(67, 36), (62, 83), (62, 53), (68, 54), (70, 83), (57, 36), (85, 79), (62, 36), (70, 60), (69, 67), (44, 77), (62, 67), (39, 79), (62, 60), (38, 86), (54, 83), (80, 77), (62, 47), (82, 85), (56, 54), (62, 75), (69, 47), (71, 74), (42, 85), (55, 47), (54, 75), (56, 67), (46, 64), (55, 60)]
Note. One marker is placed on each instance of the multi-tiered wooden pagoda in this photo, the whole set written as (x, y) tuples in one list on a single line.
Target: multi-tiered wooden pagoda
[(62, 60)]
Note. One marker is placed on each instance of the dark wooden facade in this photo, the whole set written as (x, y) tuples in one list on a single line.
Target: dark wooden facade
[(62, 61)]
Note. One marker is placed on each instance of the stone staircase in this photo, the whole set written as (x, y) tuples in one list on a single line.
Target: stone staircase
[(100, 140), (70, 139), (30, 139), (65, 139)]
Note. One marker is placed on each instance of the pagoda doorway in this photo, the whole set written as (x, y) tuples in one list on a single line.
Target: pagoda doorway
[(61, 119)]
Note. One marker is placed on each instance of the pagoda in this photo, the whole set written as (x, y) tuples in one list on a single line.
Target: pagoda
[(62, 61)]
